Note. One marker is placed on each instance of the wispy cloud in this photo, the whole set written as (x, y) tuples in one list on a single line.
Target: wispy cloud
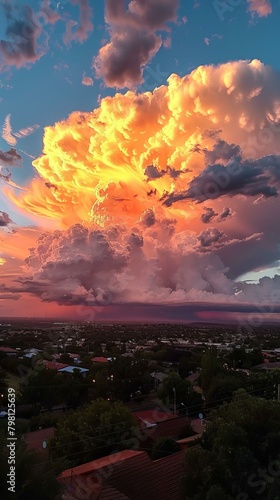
[(25, 132), (85, 26), (207, 40), (11, 137), (7, 132)]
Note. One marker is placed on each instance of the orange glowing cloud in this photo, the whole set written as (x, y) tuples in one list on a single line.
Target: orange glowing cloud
[(118, 161)]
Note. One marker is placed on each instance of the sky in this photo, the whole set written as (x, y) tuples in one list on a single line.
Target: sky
[(140, 160)]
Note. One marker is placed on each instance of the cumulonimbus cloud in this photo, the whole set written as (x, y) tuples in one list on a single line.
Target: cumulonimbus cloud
[(133, 39), (111, 152), (116, 172)]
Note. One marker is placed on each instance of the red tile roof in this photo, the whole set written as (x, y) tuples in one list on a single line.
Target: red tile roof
[(53, 365), (188, 440), (154, 416), (197, 425), (34, 440), (136, 477), (99, 359), (155, 425), (101, 463), (7, 349)]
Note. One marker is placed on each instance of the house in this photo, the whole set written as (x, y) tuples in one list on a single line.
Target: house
[(52, 365), (127, 475), (188, 442), (158, 378), (38, 440), (100, 359), (154, 424), (9, 351), (29, 353), (70, 369), (74, 357)]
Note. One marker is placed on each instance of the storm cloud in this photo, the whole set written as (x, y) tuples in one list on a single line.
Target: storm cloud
[(22, 33), (133, 39), (254, 178)]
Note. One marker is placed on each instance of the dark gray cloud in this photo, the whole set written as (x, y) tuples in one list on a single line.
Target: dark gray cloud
[(208, 215), (209, 236), (221, 151), (148, 218), (22, 32), (153, 172), (10, 296), (254, 178), (225, 213), (134, 40), (174, 174), (51, 186), (5, 219), (9, 157)]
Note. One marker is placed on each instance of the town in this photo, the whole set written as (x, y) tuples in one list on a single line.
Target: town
[(98, 403)]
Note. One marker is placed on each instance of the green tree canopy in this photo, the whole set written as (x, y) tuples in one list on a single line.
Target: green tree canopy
[(93, 431), (238, 453), (184, 392)]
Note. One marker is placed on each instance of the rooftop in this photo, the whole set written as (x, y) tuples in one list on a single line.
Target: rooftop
[(128, 475), (99, 359), (7, 349), (34, 440)]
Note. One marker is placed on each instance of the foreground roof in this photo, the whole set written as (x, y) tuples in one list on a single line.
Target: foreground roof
[(128, 475)]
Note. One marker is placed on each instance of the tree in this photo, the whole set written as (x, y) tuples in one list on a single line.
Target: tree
[(222, 387), (130, 376), (65, 358), (93, 432), (236, 451), (164, 447), (217, 493), (44, 387), (184, 392), (197, 471), (35, 477), (210, 367)]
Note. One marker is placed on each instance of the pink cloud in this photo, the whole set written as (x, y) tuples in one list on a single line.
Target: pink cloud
[(87, 81), (7, 134), (85, 25), (260, 7), (50, 14)]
